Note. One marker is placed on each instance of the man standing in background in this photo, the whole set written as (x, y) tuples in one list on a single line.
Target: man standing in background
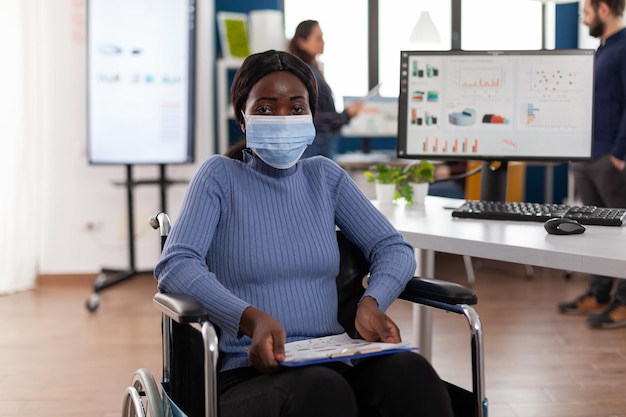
[(602, 182)]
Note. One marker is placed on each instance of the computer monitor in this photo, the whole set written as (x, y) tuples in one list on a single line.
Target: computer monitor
[(496, 106)]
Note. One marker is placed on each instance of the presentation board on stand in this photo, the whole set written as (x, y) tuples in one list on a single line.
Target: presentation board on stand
[(140, 104)]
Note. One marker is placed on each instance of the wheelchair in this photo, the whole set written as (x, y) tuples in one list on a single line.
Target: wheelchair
[(190, 342)]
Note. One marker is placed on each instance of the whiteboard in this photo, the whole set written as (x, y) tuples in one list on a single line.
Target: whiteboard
[(140, 81), (377, 118)]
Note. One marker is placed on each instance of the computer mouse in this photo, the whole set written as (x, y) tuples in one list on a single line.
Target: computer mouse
[(563, 226)]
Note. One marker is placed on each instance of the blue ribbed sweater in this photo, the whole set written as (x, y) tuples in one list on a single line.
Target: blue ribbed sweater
[(249, 234)]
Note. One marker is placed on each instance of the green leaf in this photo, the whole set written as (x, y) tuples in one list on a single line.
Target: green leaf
[(385, 174), (422, 171)]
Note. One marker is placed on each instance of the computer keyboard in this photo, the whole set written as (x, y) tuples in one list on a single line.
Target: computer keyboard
[(536, 212)]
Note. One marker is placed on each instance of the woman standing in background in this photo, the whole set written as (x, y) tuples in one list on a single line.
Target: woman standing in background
[(307, 43)]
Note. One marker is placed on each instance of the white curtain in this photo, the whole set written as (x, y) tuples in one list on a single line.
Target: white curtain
[(19, 146)]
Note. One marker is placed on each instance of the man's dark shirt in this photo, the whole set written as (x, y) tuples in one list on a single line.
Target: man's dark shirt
[(609, 119)]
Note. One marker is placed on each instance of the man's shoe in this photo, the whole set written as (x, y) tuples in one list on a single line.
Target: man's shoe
[(612, 317), (585, 304)]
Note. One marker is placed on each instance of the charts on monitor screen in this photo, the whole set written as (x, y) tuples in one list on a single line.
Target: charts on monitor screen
[(506, 105)]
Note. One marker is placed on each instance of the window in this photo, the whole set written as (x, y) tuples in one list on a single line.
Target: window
[(498, 24), (344, 25), (396, 19)]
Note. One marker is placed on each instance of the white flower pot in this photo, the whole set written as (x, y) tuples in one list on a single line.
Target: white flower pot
[(385, 193), (420, 191)]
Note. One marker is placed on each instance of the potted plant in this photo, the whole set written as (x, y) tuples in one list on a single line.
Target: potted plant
[(418, 175), (387, 179)]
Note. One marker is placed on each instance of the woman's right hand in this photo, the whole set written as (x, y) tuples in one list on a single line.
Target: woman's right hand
[(268, 339)]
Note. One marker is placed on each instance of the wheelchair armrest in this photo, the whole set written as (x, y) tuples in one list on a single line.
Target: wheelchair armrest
[(419, 289), (181, 308)]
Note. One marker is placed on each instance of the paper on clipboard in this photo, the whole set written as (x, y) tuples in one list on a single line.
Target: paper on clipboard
[(337, 348), (374, 92)]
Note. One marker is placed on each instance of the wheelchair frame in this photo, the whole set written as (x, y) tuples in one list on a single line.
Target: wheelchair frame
[(147, 398)]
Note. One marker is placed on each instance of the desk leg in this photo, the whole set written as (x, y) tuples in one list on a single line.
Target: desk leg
[(423, 315)]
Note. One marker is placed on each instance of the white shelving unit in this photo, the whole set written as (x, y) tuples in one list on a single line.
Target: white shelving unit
[(224, 108)]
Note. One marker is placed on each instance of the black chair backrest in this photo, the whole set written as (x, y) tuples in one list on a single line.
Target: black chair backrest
[(353, 268)]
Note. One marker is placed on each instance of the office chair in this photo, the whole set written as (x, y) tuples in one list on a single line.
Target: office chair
[(190, 341)]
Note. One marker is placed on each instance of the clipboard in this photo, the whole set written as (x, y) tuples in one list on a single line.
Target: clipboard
[(337, 348), (374, 92)]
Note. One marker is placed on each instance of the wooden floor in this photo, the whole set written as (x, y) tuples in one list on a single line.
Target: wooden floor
[(58, 359)]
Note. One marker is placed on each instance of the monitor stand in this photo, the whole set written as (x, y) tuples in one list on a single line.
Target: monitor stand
[(493, 180)]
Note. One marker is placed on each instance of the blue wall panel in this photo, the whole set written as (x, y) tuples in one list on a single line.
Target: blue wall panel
[(566, 26)]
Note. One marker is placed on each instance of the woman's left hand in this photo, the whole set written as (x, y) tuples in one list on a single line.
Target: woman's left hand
[(374, 325), (354, 108)]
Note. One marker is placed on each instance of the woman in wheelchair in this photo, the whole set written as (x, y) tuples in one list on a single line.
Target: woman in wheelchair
[(255, 243)]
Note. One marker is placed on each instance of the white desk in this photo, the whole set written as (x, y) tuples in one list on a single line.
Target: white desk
[(431, 228)]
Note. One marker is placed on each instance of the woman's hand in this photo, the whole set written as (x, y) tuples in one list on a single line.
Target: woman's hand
[(268, 339), (373, 324), (354, 108)]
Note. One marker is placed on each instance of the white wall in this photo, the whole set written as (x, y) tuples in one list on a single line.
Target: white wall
[(83, 215)]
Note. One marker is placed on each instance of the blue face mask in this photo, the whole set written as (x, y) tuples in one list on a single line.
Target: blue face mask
[(279, 141)]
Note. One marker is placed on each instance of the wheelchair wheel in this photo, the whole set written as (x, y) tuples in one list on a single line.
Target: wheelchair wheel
[(145, 398)]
